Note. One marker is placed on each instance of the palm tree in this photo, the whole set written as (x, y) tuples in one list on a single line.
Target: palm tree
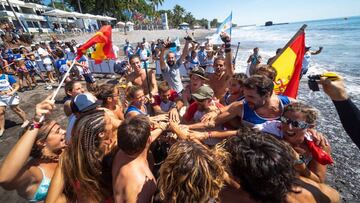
[(79, 5), (17, 18)]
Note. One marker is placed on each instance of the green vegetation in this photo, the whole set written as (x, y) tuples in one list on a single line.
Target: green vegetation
[(143, 11)]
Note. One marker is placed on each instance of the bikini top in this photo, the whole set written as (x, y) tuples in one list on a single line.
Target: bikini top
[(43, 188)]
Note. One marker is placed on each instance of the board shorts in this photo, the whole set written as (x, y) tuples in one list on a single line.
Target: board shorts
[(6, 100)]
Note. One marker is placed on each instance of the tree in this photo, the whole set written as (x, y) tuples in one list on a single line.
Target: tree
[(178, 16), (189, 18), (214, 23), (203, 22)]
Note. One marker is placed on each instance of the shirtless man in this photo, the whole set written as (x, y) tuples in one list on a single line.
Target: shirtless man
[(223, 70), (132, 177), (260, 104), (138, 76)]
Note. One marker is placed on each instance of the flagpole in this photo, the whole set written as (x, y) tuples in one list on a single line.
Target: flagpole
[(147, 78), (60, 84), (236, 53), (299, 32)]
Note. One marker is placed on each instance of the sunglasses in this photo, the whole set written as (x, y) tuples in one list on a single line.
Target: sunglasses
[(295, 124)]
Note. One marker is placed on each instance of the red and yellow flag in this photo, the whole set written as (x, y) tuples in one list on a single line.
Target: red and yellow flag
[(103, 45), (288, 66)]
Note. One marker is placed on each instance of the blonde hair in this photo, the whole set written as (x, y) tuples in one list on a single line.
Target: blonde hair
[(191, 173), (311, 114)]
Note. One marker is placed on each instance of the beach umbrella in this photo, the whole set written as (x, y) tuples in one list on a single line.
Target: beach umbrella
[(121, 24)]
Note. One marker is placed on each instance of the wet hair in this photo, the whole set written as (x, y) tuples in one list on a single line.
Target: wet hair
[(266, 70), (260, 83), (311, 114), (105, 91), (69, 86), (262, 164), (134, 56), (44, 131), (163, 87), (221, 58), (133, 134), (82, 161), (130, 91), (240, 78), (191, 173)]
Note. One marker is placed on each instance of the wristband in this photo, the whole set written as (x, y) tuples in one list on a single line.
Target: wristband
[(35, 125), (227, 45), (209, 134)]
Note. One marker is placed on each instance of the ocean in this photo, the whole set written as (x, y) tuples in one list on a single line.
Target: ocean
[(340, 39)]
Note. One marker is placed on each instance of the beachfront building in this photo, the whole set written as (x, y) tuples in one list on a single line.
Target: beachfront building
[(40, 18)]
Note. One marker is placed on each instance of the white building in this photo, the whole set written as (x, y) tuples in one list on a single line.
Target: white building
[(31, 15)]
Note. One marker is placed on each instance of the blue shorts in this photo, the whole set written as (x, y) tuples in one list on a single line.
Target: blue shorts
[(89, 78)]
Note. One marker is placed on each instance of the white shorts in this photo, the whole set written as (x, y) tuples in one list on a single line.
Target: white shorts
[(6, 100)]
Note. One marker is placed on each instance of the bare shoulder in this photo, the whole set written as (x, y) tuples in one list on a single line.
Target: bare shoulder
[(310, 191)]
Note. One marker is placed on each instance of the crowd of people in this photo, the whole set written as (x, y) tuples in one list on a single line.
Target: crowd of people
[(192, 130)]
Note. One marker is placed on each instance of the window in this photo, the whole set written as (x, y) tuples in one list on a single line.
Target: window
[(2, 8), (16, 24), (44, 24), (7, 8), (30, 24), (36, 24), (27, 10)]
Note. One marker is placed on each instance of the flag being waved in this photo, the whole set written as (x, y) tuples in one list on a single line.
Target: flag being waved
[(225, 26), (288, 65), (103, 45)]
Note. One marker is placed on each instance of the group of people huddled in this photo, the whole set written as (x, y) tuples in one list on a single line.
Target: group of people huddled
[(219, 137)]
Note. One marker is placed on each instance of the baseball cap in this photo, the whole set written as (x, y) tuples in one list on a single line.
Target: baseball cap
[(204, 92), (84, 102), (200, 72)]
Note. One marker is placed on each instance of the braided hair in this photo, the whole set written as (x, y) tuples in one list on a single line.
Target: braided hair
[(82, 161)]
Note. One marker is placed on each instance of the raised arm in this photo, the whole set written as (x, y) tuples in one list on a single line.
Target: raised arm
[(317, 52), (349, 114), (161, 57), (185, 51), (11, 170), (154, 87), (55, 192), (228, 55)]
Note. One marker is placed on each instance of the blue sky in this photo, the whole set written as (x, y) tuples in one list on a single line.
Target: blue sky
[(260, 11)]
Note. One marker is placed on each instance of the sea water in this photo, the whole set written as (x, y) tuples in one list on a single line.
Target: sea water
[(340, 39)]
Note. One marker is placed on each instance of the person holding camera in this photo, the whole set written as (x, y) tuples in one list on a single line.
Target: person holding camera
[(348, 113)]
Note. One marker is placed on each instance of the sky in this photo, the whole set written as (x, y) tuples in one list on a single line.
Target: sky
[(259, 11)]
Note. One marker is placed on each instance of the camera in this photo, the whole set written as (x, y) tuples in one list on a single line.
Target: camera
[(313, 84)]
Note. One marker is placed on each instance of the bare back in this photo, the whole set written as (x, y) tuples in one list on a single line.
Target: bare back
[(132, 180)]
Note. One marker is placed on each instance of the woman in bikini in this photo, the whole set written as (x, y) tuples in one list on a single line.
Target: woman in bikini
[(44, 142)]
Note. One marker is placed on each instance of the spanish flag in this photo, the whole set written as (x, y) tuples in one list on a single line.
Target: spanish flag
[(103, 45), (288, 65)]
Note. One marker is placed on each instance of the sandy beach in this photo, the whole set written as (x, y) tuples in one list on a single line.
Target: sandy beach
[(135, 36), (342, 176)]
